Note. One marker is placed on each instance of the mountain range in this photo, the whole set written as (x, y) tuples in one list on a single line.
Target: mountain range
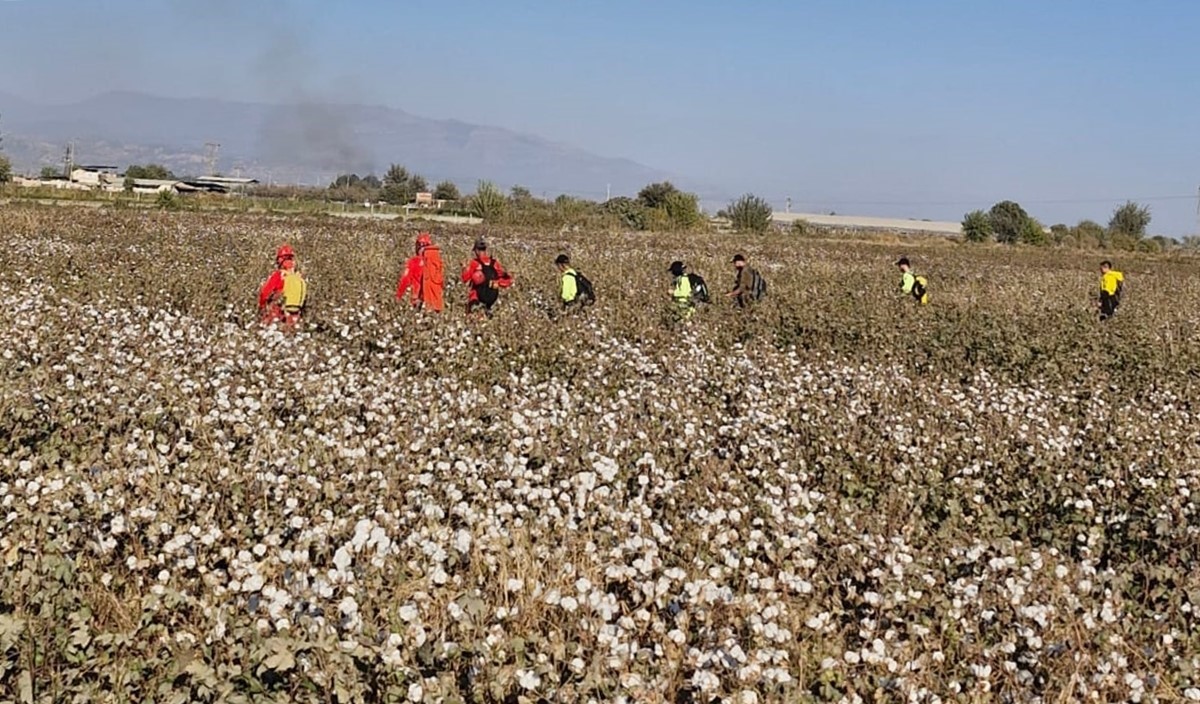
[(307, 143)]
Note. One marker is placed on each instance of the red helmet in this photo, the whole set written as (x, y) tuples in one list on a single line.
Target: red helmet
[(284, 252), (424, 240), (478, 278)]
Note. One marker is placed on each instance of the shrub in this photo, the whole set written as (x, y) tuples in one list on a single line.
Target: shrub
[(628, 212), (446, 190), (488, 203), (167, 200), (682, 211), (750, 214), (977, 226), (1034, 233), (1008, 220), (1130, 220)]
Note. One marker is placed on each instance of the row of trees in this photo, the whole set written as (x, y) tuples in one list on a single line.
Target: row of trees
[(399, 186), (1008, 223), (659, 206), (663, 206)]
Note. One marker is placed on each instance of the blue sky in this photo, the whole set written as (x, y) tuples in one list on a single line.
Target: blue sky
[(924, 108)]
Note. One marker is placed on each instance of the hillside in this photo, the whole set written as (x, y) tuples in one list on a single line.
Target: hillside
[(307, 143)]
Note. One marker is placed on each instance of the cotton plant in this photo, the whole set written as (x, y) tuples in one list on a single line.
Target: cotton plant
[(793, 503)]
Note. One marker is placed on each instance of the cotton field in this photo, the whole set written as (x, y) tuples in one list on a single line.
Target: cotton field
[(837, 496)]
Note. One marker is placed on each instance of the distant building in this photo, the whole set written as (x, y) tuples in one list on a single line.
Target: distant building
[(58, 183), (424, 200), (154, 185), (222, 184), (95, 176)]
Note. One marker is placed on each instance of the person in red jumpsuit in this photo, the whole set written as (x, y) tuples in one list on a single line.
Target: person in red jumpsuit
[(484, 277), (270, 296), (423, 275)]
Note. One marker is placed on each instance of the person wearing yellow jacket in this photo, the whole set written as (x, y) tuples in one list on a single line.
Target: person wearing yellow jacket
[(911, 283), (681, 291), (1111, 284)]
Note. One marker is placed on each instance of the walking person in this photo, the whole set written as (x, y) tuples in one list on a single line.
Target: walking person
[(424, 276), (1112, 284), (282, 297), (748, 286), (681, 291), (911, 283), (575, 290), (485, 278)]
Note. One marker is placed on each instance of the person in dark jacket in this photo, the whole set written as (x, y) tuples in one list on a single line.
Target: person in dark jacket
[(749, 286)]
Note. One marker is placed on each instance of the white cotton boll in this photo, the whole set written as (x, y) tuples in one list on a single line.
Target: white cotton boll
[(462, 541), (569, 603), (514, 585), (416, 692), (252, 583), (705, 681), (528, 679), (342, 559), (409, 613)]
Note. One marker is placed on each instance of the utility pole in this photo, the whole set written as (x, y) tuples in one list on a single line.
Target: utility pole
[(788, 207), (607, 192), (69, 160), (211, 150), (1197, 212)]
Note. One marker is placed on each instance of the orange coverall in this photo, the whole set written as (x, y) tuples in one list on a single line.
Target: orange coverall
[(424, 275)]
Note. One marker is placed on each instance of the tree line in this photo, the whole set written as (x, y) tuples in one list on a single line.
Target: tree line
[(1008, 223), (664, 207), (658, 206)]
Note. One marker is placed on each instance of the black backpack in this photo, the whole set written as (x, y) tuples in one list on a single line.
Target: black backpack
[(484, 292), (699, 288), (919, 288), (585, 292), (758, 285)]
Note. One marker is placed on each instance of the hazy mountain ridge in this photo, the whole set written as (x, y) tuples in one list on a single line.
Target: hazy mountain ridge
[(305, 143)]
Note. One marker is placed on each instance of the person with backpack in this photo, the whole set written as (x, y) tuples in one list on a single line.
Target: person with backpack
[(484, 277), (686, 290), (574, 288), (284, 294), (423, 275), (749, 286), (911, 283), (1112, 283)]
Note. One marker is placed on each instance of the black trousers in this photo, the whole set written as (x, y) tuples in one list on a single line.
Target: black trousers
[(1108, 306)]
